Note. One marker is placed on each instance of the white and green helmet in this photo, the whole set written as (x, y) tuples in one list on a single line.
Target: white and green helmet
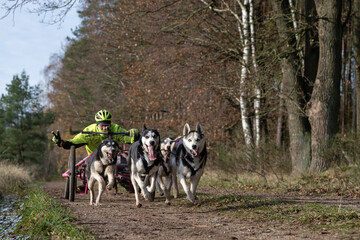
[(103, 116)]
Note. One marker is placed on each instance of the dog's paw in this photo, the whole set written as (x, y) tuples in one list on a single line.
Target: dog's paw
[(147, 196), (167, 203), (108, 187), (197, 203), (138, 205), (152, 196), (190, 197)]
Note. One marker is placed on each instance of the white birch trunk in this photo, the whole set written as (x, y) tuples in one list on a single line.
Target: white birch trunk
[(255, 66), (244, 73), (243, 29)]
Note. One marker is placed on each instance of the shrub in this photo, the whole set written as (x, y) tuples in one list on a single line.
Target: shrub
[(12, 177)]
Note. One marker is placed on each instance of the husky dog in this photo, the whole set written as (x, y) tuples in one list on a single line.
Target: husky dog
[(144, 161), (189, 156), (165, 171), (100, 167)]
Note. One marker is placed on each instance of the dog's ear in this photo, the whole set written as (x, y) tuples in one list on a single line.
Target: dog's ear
[(144, 127), (199, 128), (186, 129)]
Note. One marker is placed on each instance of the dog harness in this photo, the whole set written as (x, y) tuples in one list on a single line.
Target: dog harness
[(179, 153), (140, 153), (146, 166), (167, 172)]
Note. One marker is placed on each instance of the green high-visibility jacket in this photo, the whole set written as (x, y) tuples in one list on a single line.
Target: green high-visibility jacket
[(92, 142)]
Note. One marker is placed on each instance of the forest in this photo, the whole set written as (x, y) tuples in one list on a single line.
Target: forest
[(273, 83)]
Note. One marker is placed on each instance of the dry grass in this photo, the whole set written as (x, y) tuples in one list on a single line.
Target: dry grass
[(12, 177)]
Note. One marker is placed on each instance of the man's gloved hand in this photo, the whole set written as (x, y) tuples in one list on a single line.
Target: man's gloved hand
[(57, 139), (134, 134)]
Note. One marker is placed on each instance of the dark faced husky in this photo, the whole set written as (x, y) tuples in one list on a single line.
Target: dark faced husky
[(144, 161), (165, 171), (189, 156), (101, 166)]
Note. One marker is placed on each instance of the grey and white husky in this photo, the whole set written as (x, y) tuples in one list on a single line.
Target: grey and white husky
[(101, 167), (189, 156), (144, 160), (165, 171)]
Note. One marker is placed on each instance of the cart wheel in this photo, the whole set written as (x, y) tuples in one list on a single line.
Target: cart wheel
[(66, 193), (72, 182)]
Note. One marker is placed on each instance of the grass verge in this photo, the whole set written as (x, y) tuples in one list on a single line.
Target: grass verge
[(12, 178), (44, 218), (245, 197), (279, 214), (338, 181)]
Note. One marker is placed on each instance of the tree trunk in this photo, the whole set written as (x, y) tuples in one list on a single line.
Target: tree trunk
[(325, 100), (280, 119), (311, 52), (245, 119), (356, 47), (299, 134), (293, 95), (257, 100)]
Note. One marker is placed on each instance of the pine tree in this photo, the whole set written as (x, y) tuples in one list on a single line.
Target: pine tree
[(23, 122)]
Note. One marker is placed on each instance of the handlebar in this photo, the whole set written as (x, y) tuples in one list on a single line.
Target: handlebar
[(106, 133)]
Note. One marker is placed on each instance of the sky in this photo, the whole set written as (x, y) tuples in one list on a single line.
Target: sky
[(27, 44)]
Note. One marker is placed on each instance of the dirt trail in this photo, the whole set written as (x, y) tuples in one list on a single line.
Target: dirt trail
[(118, 218)]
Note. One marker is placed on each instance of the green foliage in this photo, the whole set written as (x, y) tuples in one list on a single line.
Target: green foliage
[(23, 122), (45, 218)]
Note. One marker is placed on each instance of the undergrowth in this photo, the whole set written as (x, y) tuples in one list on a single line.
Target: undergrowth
[(12, 177)]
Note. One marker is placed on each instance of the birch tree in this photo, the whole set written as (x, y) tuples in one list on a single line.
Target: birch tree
[(246, 29)]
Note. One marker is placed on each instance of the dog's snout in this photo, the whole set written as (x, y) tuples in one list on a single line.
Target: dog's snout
[(168, 148), (152, 143), (194, 146)]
